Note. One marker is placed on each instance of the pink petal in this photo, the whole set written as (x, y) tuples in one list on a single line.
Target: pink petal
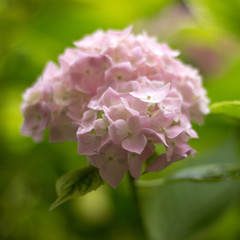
[(136, 104), (181, 148), (135, 161), (115, 150), (162, 137), (174, 131), (36, 118), (110, 97), (137, 56), (118, 54), (98, 160), (154, 136), (162, 120), (171, 104), (134, 125), (158, 164), (117, 112), (88, 117), (51, 71), (120, 72), (135, 143), (148, 92), (118, 131), (192, 133), (101, 127), (135, 166), (90, 84), (112, 172), (88, 143)]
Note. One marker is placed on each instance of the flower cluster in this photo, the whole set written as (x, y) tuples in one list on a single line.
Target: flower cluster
[(120, 96)]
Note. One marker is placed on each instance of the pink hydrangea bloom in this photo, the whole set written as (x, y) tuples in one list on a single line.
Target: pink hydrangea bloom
[(119, 95)]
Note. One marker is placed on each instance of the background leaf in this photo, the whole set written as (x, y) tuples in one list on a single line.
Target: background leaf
[(204, 173), (230, 108), (77, 183), (191, 210)]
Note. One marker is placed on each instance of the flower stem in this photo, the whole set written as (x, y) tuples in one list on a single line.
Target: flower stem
[(137, 205)]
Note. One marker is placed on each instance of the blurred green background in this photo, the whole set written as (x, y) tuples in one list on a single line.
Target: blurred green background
[(34, 31)]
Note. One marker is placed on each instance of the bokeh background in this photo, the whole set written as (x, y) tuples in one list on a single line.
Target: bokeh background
[(32, 32)]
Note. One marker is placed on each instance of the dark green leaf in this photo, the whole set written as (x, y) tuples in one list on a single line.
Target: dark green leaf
[(77, 183), (205, 173), (229, 108)]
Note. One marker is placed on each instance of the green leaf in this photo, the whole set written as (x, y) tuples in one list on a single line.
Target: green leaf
[(205, 173), (228, 108), (184, 210), (77, 183)]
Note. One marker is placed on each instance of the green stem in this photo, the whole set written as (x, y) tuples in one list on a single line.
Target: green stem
[(137, 205)]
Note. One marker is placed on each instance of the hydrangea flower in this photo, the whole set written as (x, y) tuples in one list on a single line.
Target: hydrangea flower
[(119, 95)]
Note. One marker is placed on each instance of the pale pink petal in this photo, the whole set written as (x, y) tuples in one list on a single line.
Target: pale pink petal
[(95, 104), (101, 127), (135, 161), (90, 84), (171, 104), (36, 116), (51, 71), (149, 92), (161, 120), (174, 131), (192, 133), (114, 150), (135, 166), (88, 117), (154, 136), (137, 56), (98, 160), (134, 125), (135, 103), (118, 131), (112, 172), (158, 164), (135, 143), (181, 148), (112, 162), (120, 72), (88, 143), (110, 97), (117, 112), (118, 54)]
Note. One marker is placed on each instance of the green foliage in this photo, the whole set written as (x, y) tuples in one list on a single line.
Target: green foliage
[(204, 173), (185, 210), (190, 210), (76, 184), (230, 108), (224, 15)]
